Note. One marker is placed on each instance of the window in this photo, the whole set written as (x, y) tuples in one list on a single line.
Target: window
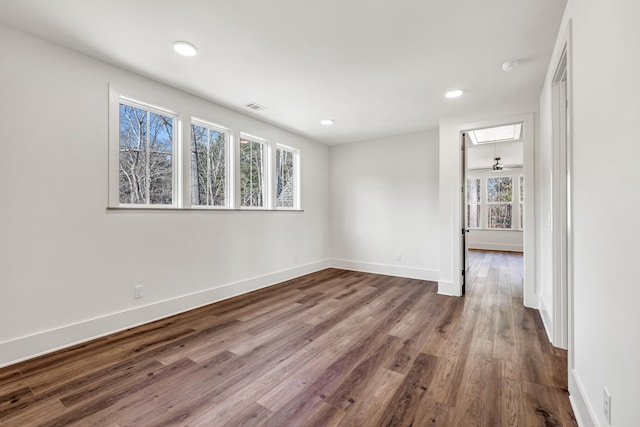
[(521, 202), (151, 166), (252, 173), (496, 134), (209, 154), (474, 206), (286, 188), (499, 201), (146, 155)]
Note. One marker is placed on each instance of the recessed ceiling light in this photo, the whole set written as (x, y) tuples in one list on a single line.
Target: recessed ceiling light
[(510, 65), (185, 48), (454, 93), (327, 122)]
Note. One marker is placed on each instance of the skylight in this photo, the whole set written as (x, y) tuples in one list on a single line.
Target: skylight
[(496, 134)]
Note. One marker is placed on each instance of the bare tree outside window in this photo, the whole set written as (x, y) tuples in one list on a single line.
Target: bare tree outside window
[(208, 166), (522, 202), (285, 191), (499, 200), (473, 202), (251, 173), (146, 157)]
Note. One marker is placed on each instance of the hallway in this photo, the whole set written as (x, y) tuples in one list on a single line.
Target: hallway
[(533, 374)]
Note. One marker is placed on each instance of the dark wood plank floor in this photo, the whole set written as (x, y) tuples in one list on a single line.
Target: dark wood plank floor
[(334, 348)]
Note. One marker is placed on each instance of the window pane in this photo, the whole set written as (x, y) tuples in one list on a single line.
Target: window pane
[(473, 190), (208, 166), (285, 191), (251, 173), (146, 157), (499, 216), (473, 215), (499, 189)]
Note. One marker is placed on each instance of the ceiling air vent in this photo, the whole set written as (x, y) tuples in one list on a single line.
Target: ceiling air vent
[(255, 106)]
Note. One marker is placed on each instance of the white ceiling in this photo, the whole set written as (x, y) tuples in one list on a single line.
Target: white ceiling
[(378, 67)]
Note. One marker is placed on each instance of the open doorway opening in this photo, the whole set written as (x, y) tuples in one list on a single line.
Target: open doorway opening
[(494, 191)]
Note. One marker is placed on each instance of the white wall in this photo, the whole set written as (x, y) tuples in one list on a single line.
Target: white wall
[(605, 351), (544, 194), (68, 265), (495, 240), (483, 156), (385, 202)]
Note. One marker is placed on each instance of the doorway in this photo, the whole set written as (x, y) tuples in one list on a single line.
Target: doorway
[(493, 203)]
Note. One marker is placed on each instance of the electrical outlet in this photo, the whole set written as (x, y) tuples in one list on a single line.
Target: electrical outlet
[(606, 405), (137, 291), (398, 257)]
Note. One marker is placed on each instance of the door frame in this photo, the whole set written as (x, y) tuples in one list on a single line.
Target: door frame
[(530, 293), (561, 334)]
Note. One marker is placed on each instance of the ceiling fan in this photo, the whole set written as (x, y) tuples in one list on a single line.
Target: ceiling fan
[(497, 166)]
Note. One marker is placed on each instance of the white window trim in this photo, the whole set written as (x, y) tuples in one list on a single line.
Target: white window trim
[(267, 170), (229, 169), (115, 99), (484, 203), (480, 202), (181, 180), (489, 204), (521, 202), (296, 178)]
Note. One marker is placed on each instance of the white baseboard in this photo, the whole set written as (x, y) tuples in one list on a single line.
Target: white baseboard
[(387, 269), (27, 347), (580, 405), (448, 288), (546, 320), (505, 247)]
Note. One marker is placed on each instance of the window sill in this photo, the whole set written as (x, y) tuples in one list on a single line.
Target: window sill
[(193, 209), (495, 229)]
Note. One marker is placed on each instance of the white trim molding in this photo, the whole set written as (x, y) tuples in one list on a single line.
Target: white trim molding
[(585, 416), (448, 288), (386, 269), (490, 246), (27, 347), (546, 318)]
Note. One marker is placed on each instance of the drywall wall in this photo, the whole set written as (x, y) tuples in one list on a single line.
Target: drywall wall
[(68, 264), (544, 209), (495, 240), (604, 348), (385, 203), (483, 155)]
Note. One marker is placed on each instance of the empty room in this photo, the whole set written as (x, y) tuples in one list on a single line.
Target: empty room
[(304, 213)]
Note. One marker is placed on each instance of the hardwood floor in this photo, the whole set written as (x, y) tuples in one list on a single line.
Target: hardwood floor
[(334, 348)]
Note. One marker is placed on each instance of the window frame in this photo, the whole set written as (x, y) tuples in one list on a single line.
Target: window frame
[(521, 185), (266, 171), (295, 177), (115, 100), (181, 169), (479, 202), (489, 204), (229, 169)]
